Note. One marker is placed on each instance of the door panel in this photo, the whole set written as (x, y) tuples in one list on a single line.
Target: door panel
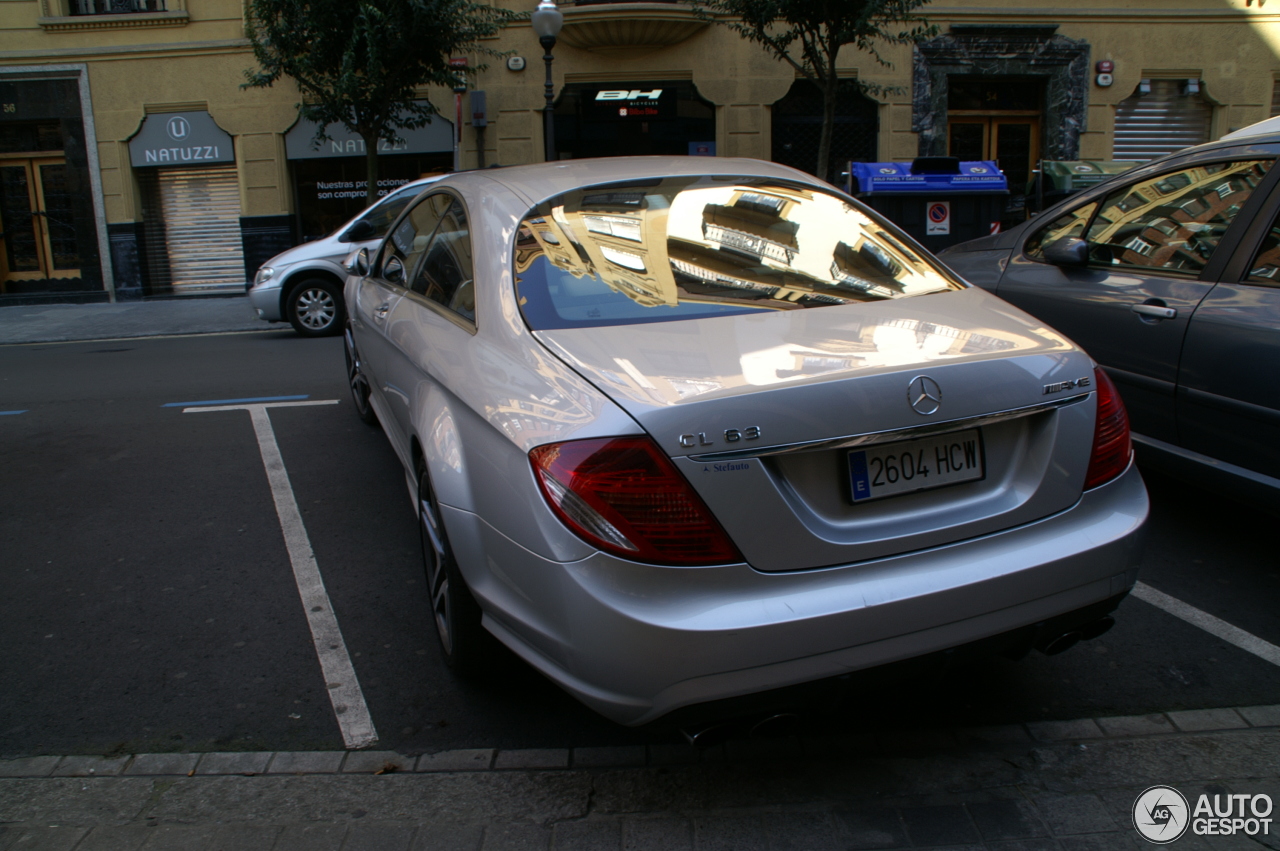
[(59, 228), (1016, 147), (24, 259), (1229, 384), (1093, 308), (967, 140), (1148, 242), (35, 212)]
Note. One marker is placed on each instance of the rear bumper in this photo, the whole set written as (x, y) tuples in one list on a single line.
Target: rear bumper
[(635, 642)]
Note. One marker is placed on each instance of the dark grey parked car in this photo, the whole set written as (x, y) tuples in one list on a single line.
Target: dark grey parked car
[(1168, 275)]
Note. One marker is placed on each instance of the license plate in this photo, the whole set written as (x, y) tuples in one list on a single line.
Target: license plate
[(915, 465)]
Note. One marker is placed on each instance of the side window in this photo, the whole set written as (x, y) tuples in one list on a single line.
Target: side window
[(1066, 225), (445, 275), (1266, 265), (1172, 222), (411, 236)]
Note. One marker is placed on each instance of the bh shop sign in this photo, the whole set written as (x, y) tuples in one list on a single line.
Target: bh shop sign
[(180, 138)]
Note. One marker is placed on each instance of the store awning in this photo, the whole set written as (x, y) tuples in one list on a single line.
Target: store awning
[(436, 137), (180, 138)]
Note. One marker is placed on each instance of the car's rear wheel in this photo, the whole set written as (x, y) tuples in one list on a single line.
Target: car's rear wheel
[(357, 380), (314, 308), (464, 643)]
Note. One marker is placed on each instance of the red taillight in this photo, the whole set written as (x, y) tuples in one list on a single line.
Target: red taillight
[(623, 495), (1111, 447)]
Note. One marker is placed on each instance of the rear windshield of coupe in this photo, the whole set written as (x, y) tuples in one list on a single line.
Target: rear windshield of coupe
[(685, 248)]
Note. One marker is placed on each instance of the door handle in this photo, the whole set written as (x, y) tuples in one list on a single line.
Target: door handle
[(382, 311), (1153, 311)]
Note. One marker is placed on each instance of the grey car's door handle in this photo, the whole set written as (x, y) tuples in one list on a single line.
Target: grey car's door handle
[(382, 311), (1154, 311)]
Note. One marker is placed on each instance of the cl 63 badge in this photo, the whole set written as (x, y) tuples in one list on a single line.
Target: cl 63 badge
[(731, 435)]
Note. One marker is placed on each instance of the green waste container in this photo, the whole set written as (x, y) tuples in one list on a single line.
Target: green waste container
[(1058, 179)]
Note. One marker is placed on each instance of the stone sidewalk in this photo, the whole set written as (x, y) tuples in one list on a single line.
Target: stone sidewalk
[(1068, 786), (56, 323)]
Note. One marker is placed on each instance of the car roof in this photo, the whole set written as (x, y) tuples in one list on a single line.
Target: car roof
[(538, 182), (1266, 127)]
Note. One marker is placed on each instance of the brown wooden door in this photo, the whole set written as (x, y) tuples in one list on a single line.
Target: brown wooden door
[(1013, 141), (37, 231)]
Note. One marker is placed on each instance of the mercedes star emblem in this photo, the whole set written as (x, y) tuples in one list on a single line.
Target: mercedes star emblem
[(924, 394)]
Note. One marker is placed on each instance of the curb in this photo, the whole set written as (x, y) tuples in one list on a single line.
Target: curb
[(371, 762)]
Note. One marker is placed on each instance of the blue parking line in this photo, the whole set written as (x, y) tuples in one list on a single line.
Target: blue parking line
[(237, 401), (11, 413)]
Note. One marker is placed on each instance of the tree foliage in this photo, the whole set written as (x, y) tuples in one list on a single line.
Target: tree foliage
[(808, 35), (359, 62)]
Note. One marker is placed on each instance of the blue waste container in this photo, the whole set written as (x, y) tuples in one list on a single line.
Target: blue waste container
[(940, 201)]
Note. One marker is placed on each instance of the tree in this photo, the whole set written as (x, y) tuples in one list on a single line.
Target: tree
[(808, 35), (358, 62)]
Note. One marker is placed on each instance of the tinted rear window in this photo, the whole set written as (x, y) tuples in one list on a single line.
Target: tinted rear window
[(683, 248)]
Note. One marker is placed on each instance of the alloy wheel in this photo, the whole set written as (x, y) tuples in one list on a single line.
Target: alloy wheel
[(435, 553), (316, 308), (356, 379)]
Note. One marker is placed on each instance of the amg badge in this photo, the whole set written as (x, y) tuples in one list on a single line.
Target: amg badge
[(1059, 386)]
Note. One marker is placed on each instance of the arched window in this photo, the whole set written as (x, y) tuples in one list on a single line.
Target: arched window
[(797, 128)]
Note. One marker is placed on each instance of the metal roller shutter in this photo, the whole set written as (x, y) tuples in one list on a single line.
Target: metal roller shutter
[(1161, 122), (201, 212)]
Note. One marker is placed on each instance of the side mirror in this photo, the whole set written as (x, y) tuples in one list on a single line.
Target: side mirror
[(360, 231), (393, 270), (359, 263), (1071, 251)]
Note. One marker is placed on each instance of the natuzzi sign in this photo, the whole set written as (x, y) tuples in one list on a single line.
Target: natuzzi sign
[(180, 138)]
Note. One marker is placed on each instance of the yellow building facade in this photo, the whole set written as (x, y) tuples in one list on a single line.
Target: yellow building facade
[(132, 163)]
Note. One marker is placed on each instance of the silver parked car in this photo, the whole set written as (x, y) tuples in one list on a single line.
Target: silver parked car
[(303, 285), (681, 429), (1169, 275)]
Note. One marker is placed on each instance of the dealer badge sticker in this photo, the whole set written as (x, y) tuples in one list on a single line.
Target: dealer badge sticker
[(1160, 814)]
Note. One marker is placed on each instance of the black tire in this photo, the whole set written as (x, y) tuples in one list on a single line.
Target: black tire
[(465, 645), (314, 308), (357, 380)]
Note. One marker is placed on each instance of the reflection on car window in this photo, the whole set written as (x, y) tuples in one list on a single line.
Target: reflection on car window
[(1266, 265), (384, 212), (1065, 226), (1172, 222), (682, 248), (411, 236), (445, 275)]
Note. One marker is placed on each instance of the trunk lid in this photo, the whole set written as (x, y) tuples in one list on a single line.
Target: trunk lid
[(761, 412)]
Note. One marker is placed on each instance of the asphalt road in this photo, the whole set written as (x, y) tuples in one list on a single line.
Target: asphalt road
[(147, 601)]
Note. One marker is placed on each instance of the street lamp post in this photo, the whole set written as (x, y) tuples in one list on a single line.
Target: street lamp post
[(547, 22)]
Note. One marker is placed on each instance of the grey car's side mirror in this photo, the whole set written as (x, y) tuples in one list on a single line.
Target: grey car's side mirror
[(360, 231), (1071, 251), (359, 264), (393, 270)]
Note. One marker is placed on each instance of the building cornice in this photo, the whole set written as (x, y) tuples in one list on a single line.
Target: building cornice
[(86, 53), (77, 23), (1074, 14)]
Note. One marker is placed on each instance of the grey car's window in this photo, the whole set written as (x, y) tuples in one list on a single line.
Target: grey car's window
[(413, 233), (1067, 225), (1265, 268), (445, 274), (1172, 222), (383, 213), (681, 248)]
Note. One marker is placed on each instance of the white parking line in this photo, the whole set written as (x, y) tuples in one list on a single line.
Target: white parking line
[(335, 663), (1214, 626)]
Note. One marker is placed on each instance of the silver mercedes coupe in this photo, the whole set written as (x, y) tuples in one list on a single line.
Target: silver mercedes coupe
[(681, 429)]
